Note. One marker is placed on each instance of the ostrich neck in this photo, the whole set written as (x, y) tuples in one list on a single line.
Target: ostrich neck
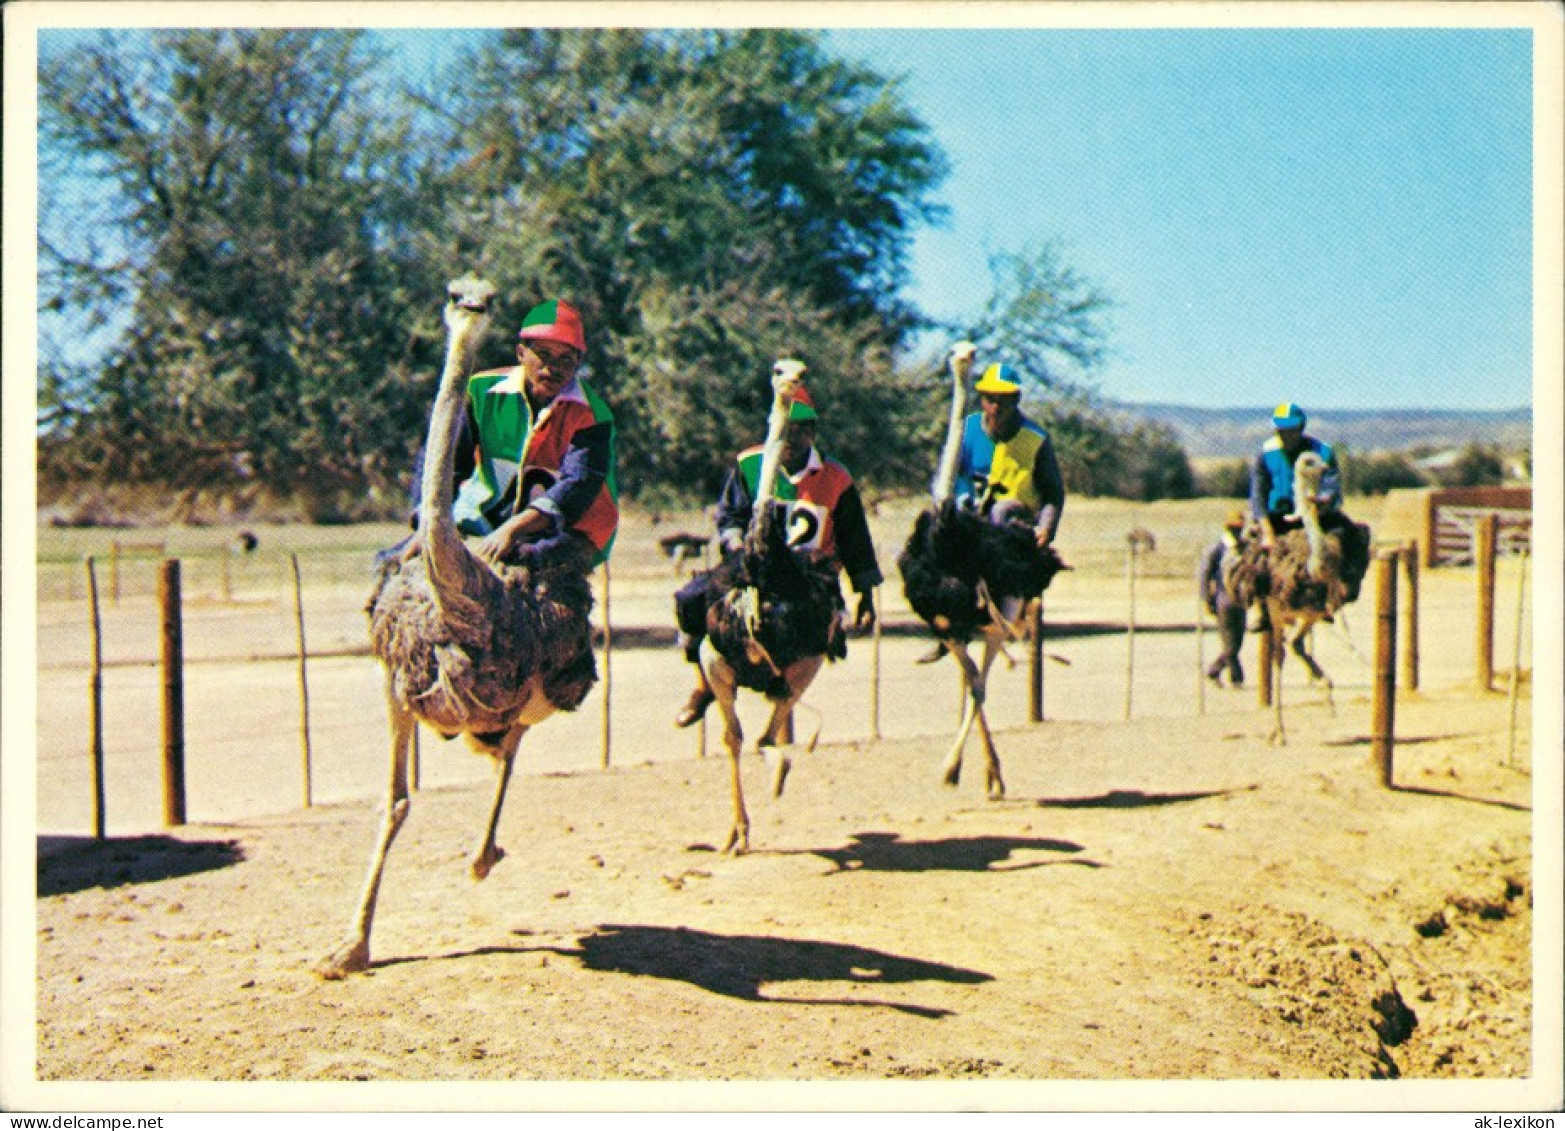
[(440, 537), (1309, 515), (771, 455), (945, 475)]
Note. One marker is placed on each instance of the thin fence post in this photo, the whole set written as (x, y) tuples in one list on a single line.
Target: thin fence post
[(95, 705), (414, 757), (304, 680), (1264, 669), (1130, 622), (1516, 660), (1409, 558), (1035, 683), (173, 695), (1383, 736), (874, 669), (1483, 560), (608, 668), (1200, 652), (114, 572)]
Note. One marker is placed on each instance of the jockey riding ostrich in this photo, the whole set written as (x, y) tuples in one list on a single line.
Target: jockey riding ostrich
[(969, 577), (774, 615), (1308, 575)]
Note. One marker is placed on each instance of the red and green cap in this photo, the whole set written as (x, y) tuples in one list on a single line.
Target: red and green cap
[(802, 407), (554, 321)]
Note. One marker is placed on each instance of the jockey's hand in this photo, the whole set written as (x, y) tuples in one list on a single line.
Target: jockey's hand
[(497, 547), (864, 619), (1043, 538)]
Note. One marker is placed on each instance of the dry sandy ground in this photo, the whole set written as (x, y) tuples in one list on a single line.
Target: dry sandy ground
[(1164, 899)]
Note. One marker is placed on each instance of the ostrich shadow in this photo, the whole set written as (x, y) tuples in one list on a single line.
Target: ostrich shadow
[(77, 863), (1136, 799), (888, 852), (738, 966)]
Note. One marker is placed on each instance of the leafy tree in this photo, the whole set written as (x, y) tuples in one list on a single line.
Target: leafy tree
[(1378, 472), (268, 330), (1478, 465), (1046, 319), (712, 200)]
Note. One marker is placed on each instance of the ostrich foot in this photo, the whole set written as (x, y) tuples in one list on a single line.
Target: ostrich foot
[(780, 774), (351, 957), (738, 842), (1277, 738), (996, 788), (953, 773), (485, 859)]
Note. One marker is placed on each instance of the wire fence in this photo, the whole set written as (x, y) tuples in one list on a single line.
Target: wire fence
[(268, 727)]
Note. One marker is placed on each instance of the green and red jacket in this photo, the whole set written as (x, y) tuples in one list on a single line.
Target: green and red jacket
[(562, 463), (823, 497)]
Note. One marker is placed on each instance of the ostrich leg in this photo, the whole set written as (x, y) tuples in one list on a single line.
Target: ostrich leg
[(799, 676), (354, 954), (993, 783), (1317, 673), (972, 681), (489, 854), (1278, 736), (720, 678)]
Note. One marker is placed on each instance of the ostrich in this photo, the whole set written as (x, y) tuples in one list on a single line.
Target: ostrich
[(467, 648), (1305, 578), (773, 616), (968, 577)]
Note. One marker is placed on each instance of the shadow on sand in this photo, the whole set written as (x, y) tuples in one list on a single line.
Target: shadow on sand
[(737, 966), (1134, 799), (888, 852), (76, 863)]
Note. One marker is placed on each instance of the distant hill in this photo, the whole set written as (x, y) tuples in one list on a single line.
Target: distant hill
[(1213, 432)]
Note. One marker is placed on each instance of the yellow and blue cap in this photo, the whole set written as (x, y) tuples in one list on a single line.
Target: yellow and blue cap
[(999, 378), (1288, 415)]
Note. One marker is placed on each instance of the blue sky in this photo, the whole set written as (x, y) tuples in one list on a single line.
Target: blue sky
[(1337, 216), (1341, 217)]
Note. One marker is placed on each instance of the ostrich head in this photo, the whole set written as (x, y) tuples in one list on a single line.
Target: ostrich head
[(467, 302), (787, 379), (1307, 472), (960, 359)]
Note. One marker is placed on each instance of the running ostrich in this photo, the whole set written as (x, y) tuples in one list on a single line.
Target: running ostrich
[(471, 649), (1306, 577), (773, 617), (968, 577)]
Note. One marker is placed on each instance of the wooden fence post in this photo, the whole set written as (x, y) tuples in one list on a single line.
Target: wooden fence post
[(1483, 561), (1409, 556), (1264, 669), (1200, 652), (1035, 682), (95, 705), (304, 679), (1130, 620), (173, 695), (1382, 738), (608, 668), (874, 669), (1516, 659)]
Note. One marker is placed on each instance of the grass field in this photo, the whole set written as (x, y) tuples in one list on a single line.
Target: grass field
[(1092, 539)]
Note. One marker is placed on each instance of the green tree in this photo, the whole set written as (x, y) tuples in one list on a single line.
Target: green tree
[(1478, 465), (712, 200), (268, 336)]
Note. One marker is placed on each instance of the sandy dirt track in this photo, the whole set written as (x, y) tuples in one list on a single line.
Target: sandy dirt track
[(1164, 899)]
